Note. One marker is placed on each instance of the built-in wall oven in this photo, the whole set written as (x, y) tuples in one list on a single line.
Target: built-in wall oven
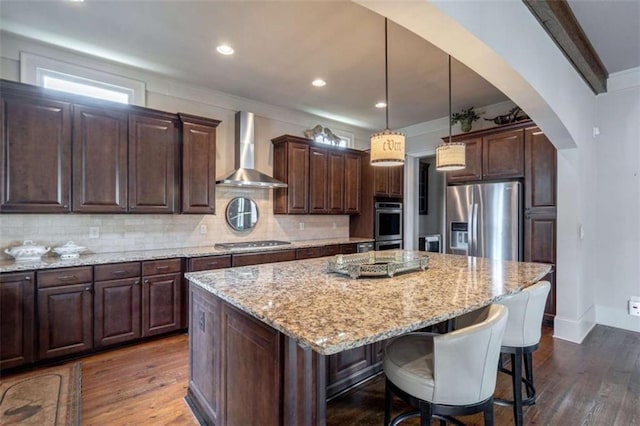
[(388, 225)]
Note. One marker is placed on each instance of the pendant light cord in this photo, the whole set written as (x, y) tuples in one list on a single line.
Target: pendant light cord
[(449, 118), (386, 76)]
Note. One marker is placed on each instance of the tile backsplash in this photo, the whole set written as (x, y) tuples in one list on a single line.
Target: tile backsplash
[(126, 232)]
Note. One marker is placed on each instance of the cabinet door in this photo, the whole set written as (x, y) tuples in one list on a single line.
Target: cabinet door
[(35, 160), (16, 319), (540, 170), (396, 181), (380, 181), (318, 179), (291, 165), (473, 171), (347, 368), (116, 311), (198, 168), (540, 246), (65, 316), (336, 186), (503, 155), (352, 183), (152, 164), (204, 352), (161, 304), (99, 160)]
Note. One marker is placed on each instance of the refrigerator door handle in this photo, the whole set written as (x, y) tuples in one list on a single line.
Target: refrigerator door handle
[(474, 230)]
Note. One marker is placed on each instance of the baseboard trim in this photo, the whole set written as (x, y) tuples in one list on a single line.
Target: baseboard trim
[(575, 330), (618, 318)]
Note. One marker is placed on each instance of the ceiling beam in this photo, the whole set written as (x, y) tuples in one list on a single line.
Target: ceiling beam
[(558, 20)]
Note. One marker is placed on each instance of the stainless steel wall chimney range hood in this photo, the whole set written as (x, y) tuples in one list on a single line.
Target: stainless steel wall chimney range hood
[(245, 175)]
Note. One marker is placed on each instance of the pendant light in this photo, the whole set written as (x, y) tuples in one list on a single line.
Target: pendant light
[(450, 156), (387, 147)]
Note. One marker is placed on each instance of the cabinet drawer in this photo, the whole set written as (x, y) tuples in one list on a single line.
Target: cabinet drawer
[(331, 250), (348, 248), (116, 271), (209, 262), (310, 252), (259, 258), (65, 276), (154, 267)]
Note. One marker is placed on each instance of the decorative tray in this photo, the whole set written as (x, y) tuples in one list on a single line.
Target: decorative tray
[(378, 263)]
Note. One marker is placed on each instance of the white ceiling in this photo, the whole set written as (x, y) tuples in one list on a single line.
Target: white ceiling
[(280, 48)]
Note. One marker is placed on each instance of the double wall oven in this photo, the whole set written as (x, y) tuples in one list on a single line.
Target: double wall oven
[(388, 225)]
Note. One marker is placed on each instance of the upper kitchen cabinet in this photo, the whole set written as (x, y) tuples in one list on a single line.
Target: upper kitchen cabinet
[(198, 164), (492, 154), (99, 159), (153, 145), (35, 160), (388, 181), (291, 166), (540, 170), (322, 179)]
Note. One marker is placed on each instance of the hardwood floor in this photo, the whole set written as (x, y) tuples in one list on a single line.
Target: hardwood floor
[(596, 383)]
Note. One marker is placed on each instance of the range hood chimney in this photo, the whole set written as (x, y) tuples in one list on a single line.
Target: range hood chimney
[(245, 175)]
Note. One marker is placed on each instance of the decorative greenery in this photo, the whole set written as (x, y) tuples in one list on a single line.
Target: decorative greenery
[(468, 114)]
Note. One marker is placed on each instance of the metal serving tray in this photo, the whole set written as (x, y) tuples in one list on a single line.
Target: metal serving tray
[(378, 263)]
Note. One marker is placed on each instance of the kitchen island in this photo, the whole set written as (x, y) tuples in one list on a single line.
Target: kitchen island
[(259, 335)]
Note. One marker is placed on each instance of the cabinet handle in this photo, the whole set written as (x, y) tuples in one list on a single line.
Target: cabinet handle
[(87, 289), (27, 278), (67, 277), (146, 281), (214, 263), (137, 282), (66, 206), (119, 272), (160, 268)]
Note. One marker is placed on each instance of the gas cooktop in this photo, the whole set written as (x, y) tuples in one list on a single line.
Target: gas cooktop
[(251, 244)]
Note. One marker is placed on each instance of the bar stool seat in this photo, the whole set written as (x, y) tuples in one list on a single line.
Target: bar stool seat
[(446, 374)]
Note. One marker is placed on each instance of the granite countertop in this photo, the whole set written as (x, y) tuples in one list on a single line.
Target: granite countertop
[(51, 262), (330, 312)]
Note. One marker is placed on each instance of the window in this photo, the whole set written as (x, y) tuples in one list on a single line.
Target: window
[(71, 78)]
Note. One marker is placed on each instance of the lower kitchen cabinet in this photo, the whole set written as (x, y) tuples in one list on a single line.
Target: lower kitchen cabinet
[(350, 367), (161, 297), (65, 312), (17, 319), (116, 303)]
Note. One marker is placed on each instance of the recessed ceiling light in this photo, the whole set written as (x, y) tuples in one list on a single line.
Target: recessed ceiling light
[(76, 1), (381, 105), (225, 49), (318, 82)]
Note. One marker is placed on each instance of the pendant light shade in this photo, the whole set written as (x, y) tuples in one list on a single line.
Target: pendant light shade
[(387, 147), (451, 156)]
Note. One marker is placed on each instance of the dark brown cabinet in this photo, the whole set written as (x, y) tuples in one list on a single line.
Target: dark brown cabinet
[(17, 319), (336, 183), (65, 311), (35, 160), (473, 156), (321, 179), (291, 165), (198, 164), (352, 183), (540, 217), (117, 293), (349, 367), (388, 181), (503, 155), (152, 162), (99, 160), (161, 296), (245, 259), (318, 180)]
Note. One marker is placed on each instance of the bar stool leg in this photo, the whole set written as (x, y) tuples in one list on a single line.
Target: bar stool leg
[(528, 368), (488, 414), (516, 378)]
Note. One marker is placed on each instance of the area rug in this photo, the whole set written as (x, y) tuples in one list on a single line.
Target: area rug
[(45, 397)]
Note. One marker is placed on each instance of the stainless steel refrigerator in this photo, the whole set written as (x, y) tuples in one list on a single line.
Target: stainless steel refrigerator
[(485, 220)]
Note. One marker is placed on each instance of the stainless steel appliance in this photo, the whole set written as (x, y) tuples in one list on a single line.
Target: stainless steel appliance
[(388, 225), (485, 220), (431, 243), (365, 247)]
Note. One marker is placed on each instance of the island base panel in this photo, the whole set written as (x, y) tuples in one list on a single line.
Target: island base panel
[(245, 372)]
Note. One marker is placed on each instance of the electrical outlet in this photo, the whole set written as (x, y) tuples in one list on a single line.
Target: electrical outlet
[(203, 229), (301, 225), (634, 306), (94, 232)]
